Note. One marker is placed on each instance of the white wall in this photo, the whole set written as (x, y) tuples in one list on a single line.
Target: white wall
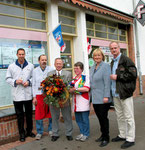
[(125, 6)]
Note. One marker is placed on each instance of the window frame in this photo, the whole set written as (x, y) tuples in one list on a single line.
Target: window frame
[(25, 17), (106, 24), (67, 25)]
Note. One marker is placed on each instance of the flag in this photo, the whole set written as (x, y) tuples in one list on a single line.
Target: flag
[(58, 35), (63, 48), (89, 47)]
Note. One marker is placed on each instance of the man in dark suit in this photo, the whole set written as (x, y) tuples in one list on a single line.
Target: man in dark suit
[(66, 110)]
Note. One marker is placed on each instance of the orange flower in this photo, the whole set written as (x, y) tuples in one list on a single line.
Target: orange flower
[(56, 90), (47, 92), (47, 88), (42, 85)]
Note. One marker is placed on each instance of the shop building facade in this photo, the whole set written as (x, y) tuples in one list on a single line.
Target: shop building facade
[(29, 24)]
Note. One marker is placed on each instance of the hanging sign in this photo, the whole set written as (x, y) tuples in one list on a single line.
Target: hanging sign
[(139, 12)]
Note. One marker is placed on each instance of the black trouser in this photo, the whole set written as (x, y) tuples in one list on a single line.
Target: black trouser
[(19, 108), (101, 111)]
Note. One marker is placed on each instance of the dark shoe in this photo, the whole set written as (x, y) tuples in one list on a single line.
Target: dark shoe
[(31, 134), (99, 139), (22, 138), (54, 138), (103, 143), (117, 139), (69, 138), (127, 144)]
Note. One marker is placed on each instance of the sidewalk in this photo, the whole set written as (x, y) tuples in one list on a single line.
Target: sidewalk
[(62, 144)]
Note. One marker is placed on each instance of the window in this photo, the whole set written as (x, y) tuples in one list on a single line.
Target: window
[(23, 14), (101, 28), (68, 20), (8, 49)]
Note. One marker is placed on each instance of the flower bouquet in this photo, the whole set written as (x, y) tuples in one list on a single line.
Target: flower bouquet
[(55, 91)]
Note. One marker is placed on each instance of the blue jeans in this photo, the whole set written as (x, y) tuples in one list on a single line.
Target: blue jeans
[(39, 126), (82, 119), (50, 124)]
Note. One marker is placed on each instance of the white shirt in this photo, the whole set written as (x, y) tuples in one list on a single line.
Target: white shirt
[(58, 72), (38, 76)]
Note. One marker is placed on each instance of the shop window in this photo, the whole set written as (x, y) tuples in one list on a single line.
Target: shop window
[(66, 12), (102, 28), (121, 32), (112, 36), (11, 21), (36, 24), (13, 13), (112, 30), (90, 32), (101, 34), (68, 20), (90, 25), (35, 15), (67, 29), (122, 38), (10, 10), (112, 24), (8, 49)]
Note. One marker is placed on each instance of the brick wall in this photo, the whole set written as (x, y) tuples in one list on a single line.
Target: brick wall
[(9, 128)]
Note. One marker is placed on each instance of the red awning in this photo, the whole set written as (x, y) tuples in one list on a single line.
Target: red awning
[(105, 11)]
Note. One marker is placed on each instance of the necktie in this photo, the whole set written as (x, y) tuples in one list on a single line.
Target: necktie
[(58, 73)]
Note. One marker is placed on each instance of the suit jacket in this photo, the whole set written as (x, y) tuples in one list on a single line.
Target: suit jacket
[(66, 75), (100, 83)]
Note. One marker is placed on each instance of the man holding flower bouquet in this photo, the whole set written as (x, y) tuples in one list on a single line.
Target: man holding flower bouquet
[(41, 109), (65, 76)]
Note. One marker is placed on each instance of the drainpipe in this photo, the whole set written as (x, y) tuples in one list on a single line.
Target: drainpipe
[(138, 52)]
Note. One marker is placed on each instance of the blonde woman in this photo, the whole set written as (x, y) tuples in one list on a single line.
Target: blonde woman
[(100, 93)]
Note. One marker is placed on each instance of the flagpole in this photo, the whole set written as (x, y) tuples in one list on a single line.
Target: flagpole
[(54, 28)]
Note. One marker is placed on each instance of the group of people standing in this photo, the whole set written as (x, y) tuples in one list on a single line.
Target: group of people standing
[(105, 84)]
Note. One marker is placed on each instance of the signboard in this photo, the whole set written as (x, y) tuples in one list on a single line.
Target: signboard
[(139, 12)]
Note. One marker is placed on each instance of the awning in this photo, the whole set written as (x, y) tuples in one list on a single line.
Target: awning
[(101, 10)]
